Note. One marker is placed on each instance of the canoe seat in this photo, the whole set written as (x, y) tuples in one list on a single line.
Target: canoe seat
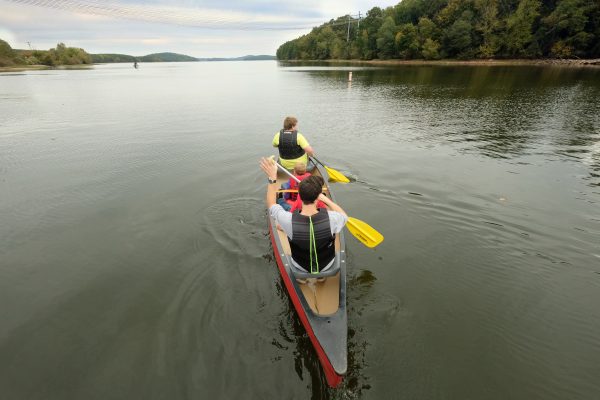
[(322, 296), (334, 269)]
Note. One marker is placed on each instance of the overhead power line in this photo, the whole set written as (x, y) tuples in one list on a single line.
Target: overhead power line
[(209, 19)]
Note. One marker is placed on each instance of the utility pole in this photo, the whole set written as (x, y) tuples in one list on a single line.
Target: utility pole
[(358, 27), (348, 34)]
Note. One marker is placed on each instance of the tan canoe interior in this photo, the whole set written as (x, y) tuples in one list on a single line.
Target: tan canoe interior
[(322, 297)]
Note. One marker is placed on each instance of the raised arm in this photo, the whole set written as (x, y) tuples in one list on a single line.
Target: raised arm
[(331, 205), (302, 142), (269, 167)]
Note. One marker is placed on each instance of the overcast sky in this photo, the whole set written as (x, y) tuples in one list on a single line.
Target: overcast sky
[(201, 28)]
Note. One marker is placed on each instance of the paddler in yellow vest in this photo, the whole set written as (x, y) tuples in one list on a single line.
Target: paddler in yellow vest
[(293, 146)]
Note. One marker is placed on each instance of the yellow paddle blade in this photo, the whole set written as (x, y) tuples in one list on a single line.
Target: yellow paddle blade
[(336, 176), (364, 232)]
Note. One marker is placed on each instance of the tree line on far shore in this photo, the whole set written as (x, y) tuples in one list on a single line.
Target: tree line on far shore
[(461, 29), (61, 55)]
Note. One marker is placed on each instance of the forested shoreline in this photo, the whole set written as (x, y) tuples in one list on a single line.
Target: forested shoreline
[(457, 29), (61, 55)]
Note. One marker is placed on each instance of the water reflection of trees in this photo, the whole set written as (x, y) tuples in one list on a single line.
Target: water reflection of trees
[(579, 136), (497, 111)]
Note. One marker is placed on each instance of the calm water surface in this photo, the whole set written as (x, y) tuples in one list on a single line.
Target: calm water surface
[(135, 261)]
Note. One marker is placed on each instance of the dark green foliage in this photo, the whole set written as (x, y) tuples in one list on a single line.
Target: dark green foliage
[(430, 49), (434, 29), (459, 37), (385, 39), (407, 41), (488, 27), (519, 29), (566, 26), (61, 55), (7, 55)]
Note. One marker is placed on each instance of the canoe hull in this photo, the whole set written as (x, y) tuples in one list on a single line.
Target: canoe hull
[(327, 333), (333, 378)]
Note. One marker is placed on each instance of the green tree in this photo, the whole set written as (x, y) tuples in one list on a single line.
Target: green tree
[(339, 48), (451, 13), (7, 55), (407, 41), (427, 29), (409, 11), (566, 25), (365, 50), (430, 49), (455, 28), (49, 58), (386, 39), (370, 27), (429, 39), (324, 43), (288, 51), (519, 28), (459, 37), (6, 50), (561, 50), (487, 26)]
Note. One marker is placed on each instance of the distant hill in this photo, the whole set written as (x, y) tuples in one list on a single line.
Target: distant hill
[(171, 57), (243, 58), (112, 58), (156, 57), (257, 58), (166, 57), (63, 55)]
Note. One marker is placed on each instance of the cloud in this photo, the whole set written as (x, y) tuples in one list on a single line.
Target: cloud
[(8, 36), (207, 28), (177, 15), (155, 41)]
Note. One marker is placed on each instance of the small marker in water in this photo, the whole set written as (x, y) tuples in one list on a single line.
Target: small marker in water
[(350, 76)]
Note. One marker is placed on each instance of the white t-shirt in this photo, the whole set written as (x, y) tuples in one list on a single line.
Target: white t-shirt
[(284, 219)]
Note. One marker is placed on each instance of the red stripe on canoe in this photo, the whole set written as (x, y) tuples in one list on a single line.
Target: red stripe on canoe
[(333, 379)]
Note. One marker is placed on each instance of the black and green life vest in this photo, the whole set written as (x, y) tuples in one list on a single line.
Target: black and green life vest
[(312, 257), (288, 145)]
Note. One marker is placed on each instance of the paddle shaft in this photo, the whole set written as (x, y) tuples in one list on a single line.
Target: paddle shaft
[(288, 172), (317, 160), (334, 175), (294, 190)]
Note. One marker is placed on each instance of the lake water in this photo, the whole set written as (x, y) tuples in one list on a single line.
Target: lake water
[(135, 261)]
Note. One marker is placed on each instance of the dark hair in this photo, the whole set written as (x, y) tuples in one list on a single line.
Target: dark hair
[(310, 188)]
